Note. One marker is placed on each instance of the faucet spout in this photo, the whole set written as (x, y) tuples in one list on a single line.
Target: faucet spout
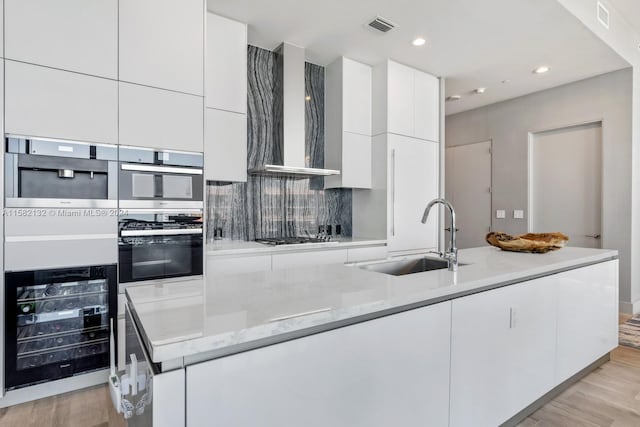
[(452, 251)]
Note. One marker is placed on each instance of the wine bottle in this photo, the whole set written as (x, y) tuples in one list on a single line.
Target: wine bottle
[(26, 307)]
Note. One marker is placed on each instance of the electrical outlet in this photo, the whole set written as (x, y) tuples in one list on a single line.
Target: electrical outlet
[(501, 213), (518, 214)]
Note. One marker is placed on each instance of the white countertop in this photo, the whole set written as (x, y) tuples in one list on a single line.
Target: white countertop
[(241, 247), (216, 316)]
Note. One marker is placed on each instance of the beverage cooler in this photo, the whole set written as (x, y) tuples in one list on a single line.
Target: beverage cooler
[(57, 322)]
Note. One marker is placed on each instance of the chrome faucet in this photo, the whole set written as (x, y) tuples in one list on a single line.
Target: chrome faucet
[(451, 255)]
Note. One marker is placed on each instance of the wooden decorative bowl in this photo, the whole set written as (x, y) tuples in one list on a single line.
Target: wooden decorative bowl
[(531, 242)]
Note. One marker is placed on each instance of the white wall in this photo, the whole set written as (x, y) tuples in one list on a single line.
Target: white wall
[(625, 40), (608, 98)]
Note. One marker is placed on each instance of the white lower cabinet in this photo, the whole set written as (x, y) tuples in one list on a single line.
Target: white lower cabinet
[(512, 345), (502, 352), (587, 316), (304, 259), (392, 371), (222, 265)]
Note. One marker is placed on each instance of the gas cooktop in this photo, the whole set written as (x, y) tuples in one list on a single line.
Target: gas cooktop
[(276, 241)]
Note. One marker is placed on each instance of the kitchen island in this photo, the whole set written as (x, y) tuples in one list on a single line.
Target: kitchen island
[(340, 345)]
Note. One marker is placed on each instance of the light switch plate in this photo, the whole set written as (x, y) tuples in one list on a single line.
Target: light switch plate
[(501, 213), (518, 214)]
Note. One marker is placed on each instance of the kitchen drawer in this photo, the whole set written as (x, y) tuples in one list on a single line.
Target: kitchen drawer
[(303, 259), (60, 222), (366, 254), (43, 252)]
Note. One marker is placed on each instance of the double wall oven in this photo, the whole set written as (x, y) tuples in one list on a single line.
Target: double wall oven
[(160, 227)]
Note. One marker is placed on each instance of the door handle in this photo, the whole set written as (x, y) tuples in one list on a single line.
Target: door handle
[(449, 229), (593, 236), (393, 192)]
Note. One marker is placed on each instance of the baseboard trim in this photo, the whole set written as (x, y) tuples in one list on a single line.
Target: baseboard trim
[(52, 388), (627, 307), (548, 397)]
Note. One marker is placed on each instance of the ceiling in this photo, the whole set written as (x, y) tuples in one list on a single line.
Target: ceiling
[(469, 42), (630, 10)]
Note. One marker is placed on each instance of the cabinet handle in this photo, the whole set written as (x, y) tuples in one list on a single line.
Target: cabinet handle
[(594, 236), (393, 192)]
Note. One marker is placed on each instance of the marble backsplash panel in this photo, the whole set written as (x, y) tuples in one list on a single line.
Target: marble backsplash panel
[(277, 206)]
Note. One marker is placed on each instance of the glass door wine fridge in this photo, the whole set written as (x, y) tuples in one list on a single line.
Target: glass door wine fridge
[(57, 322)]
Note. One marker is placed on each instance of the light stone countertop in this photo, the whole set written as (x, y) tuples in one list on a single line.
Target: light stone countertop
[(195, 320), (240, 247)]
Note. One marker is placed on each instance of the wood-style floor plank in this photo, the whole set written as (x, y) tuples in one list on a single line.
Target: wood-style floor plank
[(607, 397), (91, 407)]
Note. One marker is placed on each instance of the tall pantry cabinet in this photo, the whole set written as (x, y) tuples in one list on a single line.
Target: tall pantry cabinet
[(405, 159)]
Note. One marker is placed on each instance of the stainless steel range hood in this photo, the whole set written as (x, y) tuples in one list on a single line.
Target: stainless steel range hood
[(289, 118)]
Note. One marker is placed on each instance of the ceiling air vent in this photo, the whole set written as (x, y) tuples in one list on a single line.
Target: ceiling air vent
[(603, 15), (382, 24)]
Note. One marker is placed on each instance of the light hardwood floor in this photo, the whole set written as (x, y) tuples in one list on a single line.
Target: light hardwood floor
[(609, 396)]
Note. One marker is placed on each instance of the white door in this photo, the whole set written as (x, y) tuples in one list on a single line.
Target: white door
[(565, 167), (467, 187)]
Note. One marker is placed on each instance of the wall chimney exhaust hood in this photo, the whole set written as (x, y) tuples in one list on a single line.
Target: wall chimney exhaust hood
[(289, 153)]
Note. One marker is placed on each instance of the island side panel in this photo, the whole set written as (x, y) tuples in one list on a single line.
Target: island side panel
[(587, 316), (388, 371)]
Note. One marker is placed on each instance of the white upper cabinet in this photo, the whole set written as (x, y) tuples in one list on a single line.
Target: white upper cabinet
[(426, 112), (45, 102), (74, 35), (400, 107), (1, 37), (162, 44), (356, 97), (226, 100), (348, 123), (157, 118), (406, 102), (226, 64), (225, 146)]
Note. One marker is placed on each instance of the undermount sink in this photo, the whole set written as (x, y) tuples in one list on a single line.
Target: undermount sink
[(406, 266)]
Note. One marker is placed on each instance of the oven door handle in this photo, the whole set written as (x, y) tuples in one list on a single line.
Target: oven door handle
[(134, 233), (161, 169)]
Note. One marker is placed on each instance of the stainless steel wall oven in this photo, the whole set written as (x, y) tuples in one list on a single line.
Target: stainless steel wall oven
[(151, 179), (57, 322), (159, 244)]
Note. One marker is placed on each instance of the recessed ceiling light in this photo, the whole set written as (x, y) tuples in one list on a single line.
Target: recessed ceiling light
[(419, 41), (541, 70), (453, 97), (480, 90)]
